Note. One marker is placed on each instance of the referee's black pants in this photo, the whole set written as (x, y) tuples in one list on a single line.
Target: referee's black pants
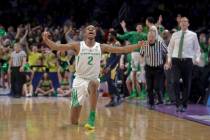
[(182, 68), (17, 79), (154, 81)]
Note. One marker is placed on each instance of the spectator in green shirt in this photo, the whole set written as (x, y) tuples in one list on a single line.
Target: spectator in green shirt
[(133, 37), (204, 47)]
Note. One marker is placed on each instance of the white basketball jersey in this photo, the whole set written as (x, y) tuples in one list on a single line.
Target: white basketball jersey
[(88, 61)]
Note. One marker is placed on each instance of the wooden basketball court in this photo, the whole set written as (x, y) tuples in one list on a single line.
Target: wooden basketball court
[(48, 119)]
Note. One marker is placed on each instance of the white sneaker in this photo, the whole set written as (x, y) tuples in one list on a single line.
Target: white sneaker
[(30, 94)]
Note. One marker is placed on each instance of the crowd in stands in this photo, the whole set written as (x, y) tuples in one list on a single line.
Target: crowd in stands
[(107, 12)]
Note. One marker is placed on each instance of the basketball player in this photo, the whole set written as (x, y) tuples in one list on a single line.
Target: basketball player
[(86, 82), (133, 37)]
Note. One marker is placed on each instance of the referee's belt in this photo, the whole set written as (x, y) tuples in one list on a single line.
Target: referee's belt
[(183, 59)]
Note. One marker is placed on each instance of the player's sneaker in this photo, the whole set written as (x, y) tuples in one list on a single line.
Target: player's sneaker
[(133, 94), (89, 126)]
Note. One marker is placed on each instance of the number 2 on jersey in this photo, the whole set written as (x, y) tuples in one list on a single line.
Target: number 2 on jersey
[(90, 60)]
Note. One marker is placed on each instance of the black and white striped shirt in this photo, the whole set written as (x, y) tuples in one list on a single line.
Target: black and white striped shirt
[(17, 58), (154, 53)]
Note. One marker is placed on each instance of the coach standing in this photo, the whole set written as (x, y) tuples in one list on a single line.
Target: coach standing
[(154, 52), (182, 50), (17, 61)]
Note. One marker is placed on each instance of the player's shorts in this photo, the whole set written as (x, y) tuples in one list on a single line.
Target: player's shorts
[(135, 60), (79, 92), (140, 76)]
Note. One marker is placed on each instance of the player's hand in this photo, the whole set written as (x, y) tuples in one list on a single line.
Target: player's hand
[(26, 27), (21, 69), (160, 19), (168, 65), (197, 61), (45, 35), (19, 29), (122, 66), (123, 24), (106, 70), (141, 43)]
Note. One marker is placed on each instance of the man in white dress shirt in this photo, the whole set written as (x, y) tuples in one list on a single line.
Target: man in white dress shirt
[(183, 50)]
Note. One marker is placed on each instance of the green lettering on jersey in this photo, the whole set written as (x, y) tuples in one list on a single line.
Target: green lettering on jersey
[(77, 60), (90, 60)]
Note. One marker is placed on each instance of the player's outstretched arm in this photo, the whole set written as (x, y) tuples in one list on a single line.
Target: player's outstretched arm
[(125, 49), (62, 47)]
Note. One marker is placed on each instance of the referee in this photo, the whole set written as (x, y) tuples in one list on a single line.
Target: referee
[(154, 52), (17, 61)]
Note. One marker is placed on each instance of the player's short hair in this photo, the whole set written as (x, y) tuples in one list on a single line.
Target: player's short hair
[(151, 20), (88, 26), (17, 44), (152, 32), (138, 23), (185, 18), (113, 33), (68, 23), (93, 23)]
